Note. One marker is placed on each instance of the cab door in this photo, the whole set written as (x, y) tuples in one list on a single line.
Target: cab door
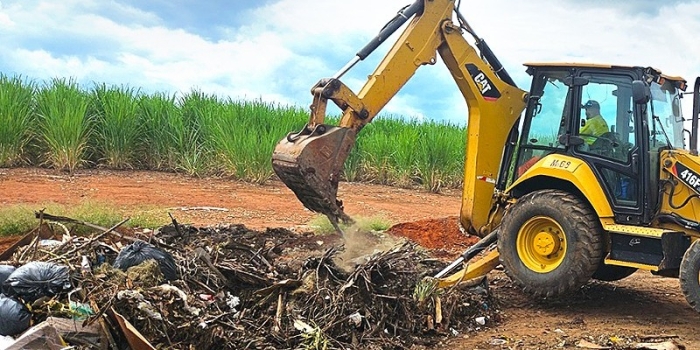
[(614, 151)]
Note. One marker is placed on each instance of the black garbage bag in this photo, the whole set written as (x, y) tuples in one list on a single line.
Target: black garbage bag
[(5, 272), (140, 251), (38, 279), (14, 316)]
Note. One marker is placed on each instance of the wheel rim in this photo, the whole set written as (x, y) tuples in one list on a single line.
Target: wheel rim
[(541, 244)]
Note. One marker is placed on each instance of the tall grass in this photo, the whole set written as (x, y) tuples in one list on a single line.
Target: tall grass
[(241, 135), (162, 127), (191, 143), (16, 118), (263, 125), (392, 155), (204, 134), (118, 126), (392, 151), (441, 160), (64, 124)]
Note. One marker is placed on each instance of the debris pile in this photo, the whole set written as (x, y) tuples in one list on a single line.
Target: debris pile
[(230, 287)]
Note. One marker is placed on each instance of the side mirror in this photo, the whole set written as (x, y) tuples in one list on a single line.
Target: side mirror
[(640, 92)]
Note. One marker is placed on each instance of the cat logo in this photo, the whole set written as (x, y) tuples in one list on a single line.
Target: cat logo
[(483, 83)]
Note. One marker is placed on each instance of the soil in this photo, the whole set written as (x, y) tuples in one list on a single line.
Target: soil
[(642, 307)]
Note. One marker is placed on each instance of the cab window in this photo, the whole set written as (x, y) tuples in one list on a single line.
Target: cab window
[(605, 117), (546, 119)]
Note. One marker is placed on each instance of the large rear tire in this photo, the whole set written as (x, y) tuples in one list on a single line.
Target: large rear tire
[(550, 243), (689, 275)]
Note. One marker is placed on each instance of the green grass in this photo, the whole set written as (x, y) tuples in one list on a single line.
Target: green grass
[(162, 129), (62, 125), (19, 219), (16, 118), (118, 126)]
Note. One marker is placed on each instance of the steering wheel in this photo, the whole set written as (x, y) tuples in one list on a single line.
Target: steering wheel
[(605, 144)]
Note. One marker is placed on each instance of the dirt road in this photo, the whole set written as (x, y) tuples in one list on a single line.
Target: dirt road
[(641, 307), (203, 201)]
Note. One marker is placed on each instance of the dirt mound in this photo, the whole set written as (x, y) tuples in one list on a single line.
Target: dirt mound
[(442, 236)]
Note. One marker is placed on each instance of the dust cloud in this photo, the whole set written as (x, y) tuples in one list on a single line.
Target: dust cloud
[(360, 244)]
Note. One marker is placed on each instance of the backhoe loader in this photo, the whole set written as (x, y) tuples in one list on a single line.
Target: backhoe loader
[(560, 204)]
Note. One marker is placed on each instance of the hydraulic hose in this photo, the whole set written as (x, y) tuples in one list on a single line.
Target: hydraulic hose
[(696, 112), (401, 18), (391, 27)]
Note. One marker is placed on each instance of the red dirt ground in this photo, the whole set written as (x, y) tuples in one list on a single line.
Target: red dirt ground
[(6, 242), (441, 235), (639, 306)]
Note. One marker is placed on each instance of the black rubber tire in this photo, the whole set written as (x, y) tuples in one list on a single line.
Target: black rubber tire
[(610, 273), (583, 248), (689, 275)]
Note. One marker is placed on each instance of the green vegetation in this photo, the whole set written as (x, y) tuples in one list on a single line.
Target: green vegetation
[(118, 128), (19, 219), (16, 119), (62, 125)]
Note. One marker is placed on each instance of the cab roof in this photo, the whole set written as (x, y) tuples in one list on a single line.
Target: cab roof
[(599, 65)]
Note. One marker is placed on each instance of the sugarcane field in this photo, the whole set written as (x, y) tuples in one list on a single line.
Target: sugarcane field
[(236, 265)]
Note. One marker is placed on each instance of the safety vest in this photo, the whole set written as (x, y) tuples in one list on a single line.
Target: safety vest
[(595, 126)]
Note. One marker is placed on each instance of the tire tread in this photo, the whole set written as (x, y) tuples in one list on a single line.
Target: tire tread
[(588, 251)]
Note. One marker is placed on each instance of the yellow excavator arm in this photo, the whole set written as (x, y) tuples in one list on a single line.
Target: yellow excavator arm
[(310, 162)]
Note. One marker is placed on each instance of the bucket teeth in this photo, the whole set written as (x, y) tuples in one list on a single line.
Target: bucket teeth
[(310, 165)]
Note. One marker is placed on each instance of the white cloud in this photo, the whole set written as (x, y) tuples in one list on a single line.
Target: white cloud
[(284, 47), (42, 63)]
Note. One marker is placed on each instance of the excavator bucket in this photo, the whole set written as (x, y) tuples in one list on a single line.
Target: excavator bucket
[(310, 164)]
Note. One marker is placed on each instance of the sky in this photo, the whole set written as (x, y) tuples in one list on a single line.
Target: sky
[(276, 50)]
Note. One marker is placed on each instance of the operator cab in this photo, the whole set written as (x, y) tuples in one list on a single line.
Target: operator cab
[(589, 112)]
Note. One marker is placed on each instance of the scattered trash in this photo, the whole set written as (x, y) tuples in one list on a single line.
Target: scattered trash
[(133, 337), (140, 251), (5, 272), (49, 243), (232, 301), (38, 279), (230, 287), (480, 320), (72, 331), (356, 319), (585, 344), (498, 341), (81, 311), (667, 345), (40, 337), (85, 266), (5, 341), (15, 318), (202, 208)]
